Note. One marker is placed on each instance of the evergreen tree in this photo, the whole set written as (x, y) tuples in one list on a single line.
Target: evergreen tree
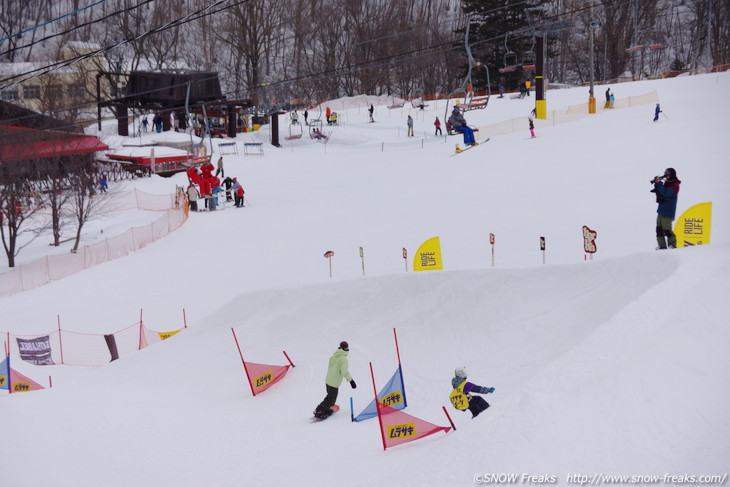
[(500, 35)]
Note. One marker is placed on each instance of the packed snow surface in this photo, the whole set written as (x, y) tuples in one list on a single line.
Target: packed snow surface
[(611, 366)]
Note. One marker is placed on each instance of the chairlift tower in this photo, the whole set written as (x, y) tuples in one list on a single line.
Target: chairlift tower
[(540, 28)]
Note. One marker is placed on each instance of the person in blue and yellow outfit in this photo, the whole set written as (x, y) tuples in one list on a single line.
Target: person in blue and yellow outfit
[(461, 397)]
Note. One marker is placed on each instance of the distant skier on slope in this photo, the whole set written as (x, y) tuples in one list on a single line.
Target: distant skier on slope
[(458, 122), (336, 371), (461, 396)]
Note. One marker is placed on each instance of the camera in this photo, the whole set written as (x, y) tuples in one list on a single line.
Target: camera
[(659, 198)]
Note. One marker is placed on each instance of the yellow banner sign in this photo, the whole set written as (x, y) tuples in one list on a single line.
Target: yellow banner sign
[(164, 335), (401, 430), (392, 399), (263, 379), (428, 256), (693, 227), (21, 387)]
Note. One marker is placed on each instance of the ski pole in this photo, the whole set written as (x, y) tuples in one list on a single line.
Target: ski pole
[(665, 115)]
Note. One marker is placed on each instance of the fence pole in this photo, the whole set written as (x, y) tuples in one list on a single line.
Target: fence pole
[(48, 271), (141, 331), (60, 340)]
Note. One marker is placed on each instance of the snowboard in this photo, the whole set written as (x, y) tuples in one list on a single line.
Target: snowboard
[(472, 146), (334, 409)]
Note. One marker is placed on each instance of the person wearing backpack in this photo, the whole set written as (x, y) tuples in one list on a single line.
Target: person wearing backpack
[(461, 397)]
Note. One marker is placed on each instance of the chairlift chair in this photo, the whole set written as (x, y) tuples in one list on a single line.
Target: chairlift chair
[(509, 59), (316, 122), (293, 135), (528, 58), (466, 88), (396, 105)]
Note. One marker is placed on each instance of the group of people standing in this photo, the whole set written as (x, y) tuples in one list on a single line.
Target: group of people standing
[(207, 186)]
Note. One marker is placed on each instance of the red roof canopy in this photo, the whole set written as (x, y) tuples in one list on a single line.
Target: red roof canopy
[(20, 143)]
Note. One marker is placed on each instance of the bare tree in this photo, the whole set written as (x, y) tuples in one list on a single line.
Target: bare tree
[(17, 16), (84, 203), (18, 225), (247, 32)]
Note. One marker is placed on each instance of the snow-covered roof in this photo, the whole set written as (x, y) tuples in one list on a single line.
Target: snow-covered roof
[(83, 46), (11, 69)]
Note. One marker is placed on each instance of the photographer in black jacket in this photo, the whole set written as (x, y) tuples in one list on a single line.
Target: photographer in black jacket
[(666, 188)]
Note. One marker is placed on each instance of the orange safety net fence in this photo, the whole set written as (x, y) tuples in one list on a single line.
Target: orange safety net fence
[(55, 267)]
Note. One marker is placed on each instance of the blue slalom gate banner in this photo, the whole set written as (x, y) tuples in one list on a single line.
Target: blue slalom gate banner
[(5, 374), (392, 395)]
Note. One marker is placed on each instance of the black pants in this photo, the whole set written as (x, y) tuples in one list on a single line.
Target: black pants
[(194, 205), (329, 399), (477, 405)]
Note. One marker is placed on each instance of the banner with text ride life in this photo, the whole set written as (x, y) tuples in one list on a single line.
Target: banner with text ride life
[(693, 227), (428, 256)]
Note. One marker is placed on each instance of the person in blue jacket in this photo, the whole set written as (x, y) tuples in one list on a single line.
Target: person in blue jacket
[(461, 397), (336, 371), (666, 197), (657, 111)]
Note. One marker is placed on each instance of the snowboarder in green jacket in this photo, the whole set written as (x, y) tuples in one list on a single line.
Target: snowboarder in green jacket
[(336, 371)]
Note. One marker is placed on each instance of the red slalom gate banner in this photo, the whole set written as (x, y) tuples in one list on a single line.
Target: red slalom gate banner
[(22, 383), (262, 376), (397, 427)]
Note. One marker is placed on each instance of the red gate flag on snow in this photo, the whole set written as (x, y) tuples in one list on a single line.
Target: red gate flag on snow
[(398, 427), (21, 383), (261, 376)]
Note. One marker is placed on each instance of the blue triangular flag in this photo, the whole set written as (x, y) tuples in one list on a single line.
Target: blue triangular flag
[(392, 395), (5, 374)]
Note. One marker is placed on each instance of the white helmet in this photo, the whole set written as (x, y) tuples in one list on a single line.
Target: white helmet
[(460, 372)]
